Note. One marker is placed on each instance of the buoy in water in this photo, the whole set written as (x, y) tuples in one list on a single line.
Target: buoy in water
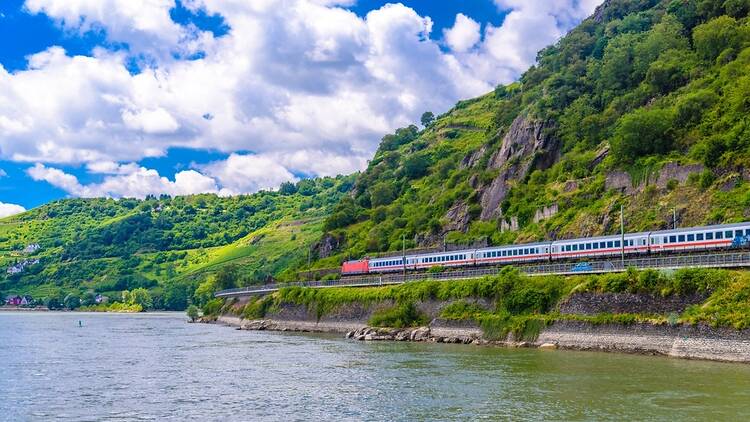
[(80, 323)]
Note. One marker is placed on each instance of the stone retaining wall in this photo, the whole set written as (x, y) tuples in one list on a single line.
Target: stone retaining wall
[(682, 341)]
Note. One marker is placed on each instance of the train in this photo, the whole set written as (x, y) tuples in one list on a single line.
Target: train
[(705, 238)]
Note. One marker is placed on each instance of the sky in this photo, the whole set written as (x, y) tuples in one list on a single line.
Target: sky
[(128, 98)]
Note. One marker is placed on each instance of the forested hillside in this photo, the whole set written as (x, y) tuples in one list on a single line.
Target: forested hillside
[(645, 104), (165, 245)]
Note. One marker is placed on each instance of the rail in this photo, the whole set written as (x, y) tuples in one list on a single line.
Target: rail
[(671, 262)]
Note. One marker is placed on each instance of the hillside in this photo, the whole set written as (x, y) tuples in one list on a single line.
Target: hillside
[(166, 245), (643, 105)]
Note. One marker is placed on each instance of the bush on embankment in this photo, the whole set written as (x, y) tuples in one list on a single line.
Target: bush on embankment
[(523, 305), (399, 316)]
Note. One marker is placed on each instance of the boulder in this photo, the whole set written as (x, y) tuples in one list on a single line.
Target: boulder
[(548, 346)]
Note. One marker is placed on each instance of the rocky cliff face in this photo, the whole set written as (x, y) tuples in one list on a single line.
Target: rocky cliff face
[(527, 146)]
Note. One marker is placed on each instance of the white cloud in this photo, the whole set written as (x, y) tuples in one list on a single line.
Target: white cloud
[(6, 210), (464, 34), (306, 85), (247, 173), (3, 173), (129, 181)]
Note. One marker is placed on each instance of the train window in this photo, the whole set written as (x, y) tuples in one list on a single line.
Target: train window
[(575, 247), (737, 233), (525, 251), (747, 232), (699, 237), (665, 240), (709, 236), (610, 244), (728, 234), (672, 239), (617, 243), (691, 238), (719, 235), (681, 238)]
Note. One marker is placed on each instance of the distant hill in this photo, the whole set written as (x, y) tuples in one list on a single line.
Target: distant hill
[(167, 245)]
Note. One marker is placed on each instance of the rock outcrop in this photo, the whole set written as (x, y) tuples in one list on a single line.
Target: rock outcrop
[(528, 145), (622, 181), (545, 213), (458, 217), (326, 245)]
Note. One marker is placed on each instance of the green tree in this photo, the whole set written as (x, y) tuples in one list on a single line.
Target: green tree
[(72, 302), (205, 291), (140, 296), (382, 194), (416, 166), (643, 132), (227, 277), (288, 188), (714, 37), (427, 118), (193, 312)]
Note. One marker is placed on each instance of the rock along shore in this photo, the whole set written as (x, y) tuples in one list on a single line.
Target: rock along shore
[(688, 342), (680, 341)]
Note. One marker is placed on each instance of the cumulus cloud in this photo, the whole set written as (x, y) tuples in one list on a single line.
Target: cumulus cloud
[(129, 181), (3, 173), (6, 210), (464, 34), (307, 85)]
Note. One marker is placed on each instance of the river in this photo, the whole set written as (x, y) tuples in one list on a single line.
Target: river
[(157, 367)]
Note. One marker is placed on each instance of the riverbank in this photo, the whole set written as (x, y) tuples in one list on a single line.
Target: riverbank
[(693, 314), (20, 309), (681, 341)]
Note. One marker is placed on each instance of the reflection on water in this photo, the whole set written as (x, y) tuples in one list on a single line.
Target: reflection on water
[(157, 367)]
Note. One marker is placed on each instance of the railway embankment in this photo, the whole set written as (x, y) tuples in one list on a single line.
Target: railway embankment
[(694, 314)]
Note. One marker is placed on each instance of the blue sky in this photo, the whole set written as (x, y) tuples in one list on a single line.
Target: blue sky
[(110, 100)]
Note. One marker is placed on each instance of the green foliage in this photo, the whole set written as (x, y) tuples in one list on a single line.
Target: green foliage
[(227, 277), (427, 118), (644, 132), (462, 310), (193, 312), (728, 306), (718, 35), (382, 194), (399, 316), (213, 307), (258, 307), (166, 245), (140, 297), (682, 282)]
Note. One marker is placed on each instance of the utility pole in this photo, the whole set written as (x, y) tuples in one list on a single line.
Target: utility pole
[(403, 252), (622, 236), (674, 218)]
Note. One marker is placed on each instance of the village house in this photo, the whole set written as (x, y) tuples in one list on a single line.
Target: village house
[(16, 300), (31, 248), (19, 267)]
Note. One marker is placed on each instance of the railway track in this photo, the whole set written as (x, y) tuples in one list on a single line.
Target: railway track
[(724, 259)]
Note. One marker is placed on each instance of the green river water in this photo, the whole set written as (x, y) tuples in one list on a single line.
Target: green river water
[(157, 367)]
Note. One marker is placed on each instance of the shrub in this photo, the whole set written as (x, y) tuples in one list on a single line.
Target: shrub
[(462, 310), (213, 307), (399, 316), (643, 132)]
